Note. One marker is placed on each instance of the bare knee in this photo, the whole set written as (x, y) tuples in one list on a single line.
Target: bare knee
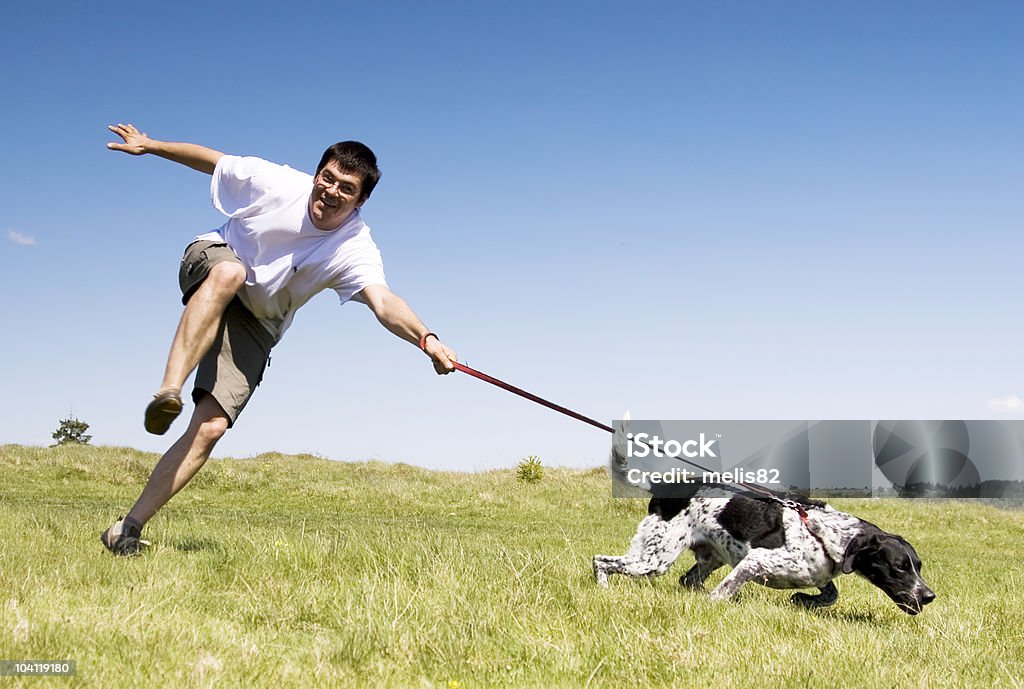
[(226, 277), (210, 431)]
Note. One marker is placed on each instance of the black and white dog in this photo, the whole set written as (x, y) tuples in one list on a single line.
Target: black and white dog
[(805, 544)]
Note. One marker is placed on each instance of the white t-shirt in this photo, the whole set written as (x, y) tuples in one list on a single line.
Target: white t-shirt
[(287, 260)]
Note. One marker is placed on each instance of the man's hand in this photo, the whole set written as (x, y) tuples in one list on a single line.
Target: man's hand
[(440, 355), (136, 143)]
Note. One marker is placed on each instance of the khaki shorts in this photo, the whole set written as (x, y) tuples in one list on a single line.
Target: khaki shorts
[(234, 366)]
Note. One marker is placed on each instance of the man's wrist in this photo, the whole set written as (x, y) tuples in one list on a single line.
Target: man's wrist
[(154, 147), (423, 340)]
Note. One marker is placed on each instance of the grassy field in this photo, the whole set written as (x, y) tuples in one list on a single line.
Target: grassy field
[(300, 572)]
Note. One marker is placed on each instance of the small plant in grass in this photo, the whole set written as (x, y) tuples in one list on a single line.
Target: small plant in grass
[(71, 431), (530, 470)]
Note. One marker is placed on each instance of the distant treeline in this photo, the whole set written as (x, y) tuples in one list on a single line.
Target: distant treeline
[(999, 493)]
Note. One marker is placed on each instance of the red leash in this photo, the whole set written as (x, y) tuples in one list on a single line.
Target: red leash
[(557, 407), (596, 424), (791, 504), (533, 398)]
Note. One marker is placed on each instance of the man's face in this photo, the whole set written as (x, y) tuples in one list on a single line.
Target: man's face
[(336, 194)]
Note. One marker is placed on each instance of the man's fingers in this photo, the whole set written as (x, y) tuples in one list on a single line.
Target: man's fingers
[(120, 131), (124, 130), (443, 361), (134, 140)]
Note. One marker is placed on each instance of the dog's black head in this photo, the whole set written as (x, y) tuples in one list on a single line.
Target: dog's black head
[(891, 564)]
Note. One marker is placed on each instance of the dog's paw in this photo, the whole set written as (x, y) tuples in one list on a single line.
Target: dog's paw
[(692, 582)]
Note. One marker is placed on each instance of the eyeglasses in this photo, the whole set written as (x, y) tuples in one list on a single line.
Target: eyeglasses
[(326, 180)]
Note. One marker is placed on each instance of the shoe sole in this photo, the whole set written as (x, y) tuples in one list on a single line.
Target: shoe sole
[(162, 412)]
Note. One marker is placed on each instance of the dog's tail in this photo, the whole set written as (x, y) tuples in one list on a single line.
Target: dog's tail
[(618, 457)]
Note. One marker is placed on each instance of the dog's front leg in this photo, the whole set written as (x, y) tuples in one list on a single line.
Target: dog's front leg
[(828, 596), (707, 562)]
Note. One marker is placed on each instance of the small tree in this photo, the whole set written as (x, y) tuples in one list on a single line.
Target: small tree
[(71, 430), (530, 470)]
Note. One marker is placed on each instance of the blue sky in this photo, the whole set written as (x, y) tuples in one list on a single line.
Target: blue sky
[(692, 210)]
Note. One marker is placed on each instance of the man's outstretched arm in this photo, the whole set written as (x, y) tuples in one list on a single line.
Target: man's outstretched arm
[(395, 315), (136, 143)]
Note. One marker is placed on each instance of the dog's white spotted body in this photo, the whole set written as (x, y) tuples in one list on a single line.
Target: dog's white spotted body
[(770, 543)]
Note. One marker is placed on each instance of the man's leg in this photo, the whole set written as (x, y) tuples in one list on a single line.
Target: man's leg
[(198, 326), (181, 462), (175, 469), (197, 330), (228, 375)]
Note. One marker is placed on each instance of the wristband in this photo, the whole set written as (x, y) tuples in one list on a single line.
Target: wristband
[(423, 340)]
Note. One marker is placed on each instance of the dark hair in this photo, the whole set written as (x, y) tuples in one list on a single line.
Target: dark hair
[(355, 158)]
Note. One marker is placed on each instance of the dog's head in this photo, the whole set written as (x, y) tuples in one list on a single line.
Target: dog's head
[(891, 564)]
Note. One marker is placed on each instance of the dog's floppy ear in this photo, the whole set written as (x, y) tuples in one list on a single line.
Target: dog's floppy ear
[(858, 545)]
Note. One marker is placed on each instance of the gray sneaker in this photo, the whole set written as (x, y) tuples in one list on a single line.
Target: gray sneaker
[(124, 538)]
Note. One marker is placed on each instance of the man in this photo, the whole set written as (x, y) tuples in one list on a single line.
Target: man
[(289, 235)]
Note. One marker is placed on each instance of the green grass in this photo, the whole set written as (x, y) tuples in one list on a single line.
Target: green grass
[(299, 572)]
